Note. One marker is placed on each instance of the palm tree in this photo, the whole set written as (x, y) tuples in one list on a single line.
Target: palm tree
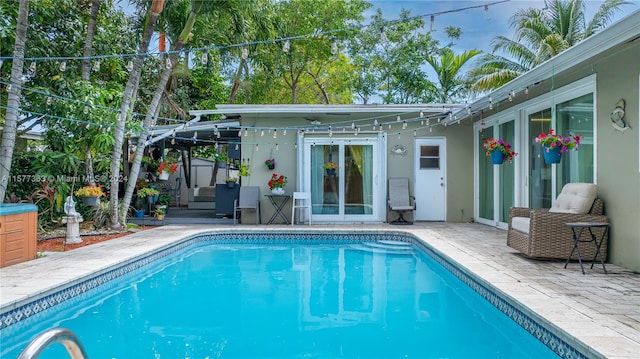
[(540, 34), (13, 101), (129, 93), (447, 67)]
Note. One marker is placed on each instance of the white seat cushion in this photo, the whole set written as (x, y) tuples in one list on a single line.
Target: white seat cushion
[(521, 224), (575, 198)]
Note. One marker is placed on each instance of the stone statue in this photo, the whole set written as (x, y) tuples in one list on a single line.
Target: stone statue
[(70, 207)]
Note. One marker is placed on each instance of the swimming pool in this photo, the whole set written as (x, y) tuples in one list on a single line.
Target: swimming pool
[(328, 309)]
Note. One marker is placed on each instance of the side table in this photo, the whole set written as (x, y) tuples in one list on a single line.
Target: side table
[(598, 243), (278, 201)]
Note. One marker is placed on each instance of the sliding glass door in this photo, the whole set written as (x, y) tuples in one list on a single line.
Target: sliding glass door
[(343, 179)]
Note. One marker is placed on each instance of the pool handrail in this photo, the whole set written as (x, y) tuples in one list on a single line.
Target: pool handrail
[(56, 335)]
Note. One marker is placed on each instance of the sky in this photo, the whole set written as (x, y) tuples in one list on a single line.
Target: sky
[(479, 27)]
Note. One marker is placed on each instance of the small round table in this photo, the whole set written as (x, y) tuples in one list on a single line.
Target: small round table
[(598, 243)]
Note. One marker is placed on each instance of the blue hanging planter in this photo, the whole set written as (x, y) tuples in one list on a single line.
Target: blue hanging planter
[(497, 157), (552, 155)]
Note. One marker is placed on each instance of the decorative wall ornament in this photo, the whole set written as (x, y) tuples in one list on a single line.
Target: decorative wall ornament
[(399, 150), (617, 117)]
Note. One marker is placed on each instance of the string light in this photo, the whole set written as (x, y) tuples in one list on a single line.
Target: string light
[(85, 110), (168, 64), (63, 66), (316, 33), (245, 53), (49, 100), (275, 133), (397, 119), (32, 67), (286, 46), (334, 46), (130, 65), (277, 146), (96, 66), (526, 90), (205, 56), (257, 148), (261, 133), (490, 103), (433, 20)]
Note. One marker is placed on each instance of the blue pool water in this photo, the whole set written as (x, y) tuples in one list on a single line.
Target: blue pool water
[(299, 300)]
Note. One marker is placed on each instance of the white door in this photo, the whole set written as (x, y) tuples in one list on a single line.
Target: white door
[(430, 179)]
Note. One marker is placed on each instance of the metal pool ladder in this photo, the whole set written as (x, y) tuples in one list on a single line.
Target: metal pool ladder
[(52, 336)]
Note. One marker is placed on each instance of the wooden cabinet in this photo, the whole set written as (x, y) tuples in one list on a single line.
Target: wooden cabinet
[(18, 233)]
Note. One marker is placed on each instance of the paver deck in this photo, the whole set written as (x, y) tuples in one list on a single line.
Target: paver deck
[(601, 311)]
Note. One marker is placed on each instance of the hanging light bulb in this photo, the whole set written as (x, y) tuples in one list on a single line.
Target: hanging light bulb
[(468, 110), (486, 13), (167, 63), (63, 66), (8, 87), (427, 122), (205, 56), (245, 53), (286, 46), (284, 132), (433, 20), (277, 147), (398, 118), (130, 65), (526, 90), (88, 125), (240, 133), (257, 148), (1, 62), (334, 46), (430, 129), (422, 123), (353, 125), (32, 67), (404, 125), (490, 103), (510, 96), (173, 141), (246, 132), (261, 133), (421, 114), (398, 135), (237, 146), (275, 133), (96, 66), (375, 122), (49, 100), (415, 133), (389, 126)]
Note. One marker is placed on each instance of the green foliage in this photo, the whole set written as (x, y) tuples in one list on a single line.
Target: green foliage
[(539, 35)]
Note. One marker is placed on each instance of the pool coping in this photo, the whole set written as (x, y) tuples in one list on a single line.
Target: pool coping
[(175, 235)]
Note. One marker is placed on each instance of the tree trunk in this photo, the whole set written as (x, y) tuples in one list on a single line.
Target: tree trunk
[(154, 107), (236, 83), (134, 78), (320, 86), (13, 100), (88, 44)]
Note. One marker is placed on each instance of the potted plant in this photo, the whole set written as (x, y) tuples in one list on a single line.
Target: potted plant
[(330, 167), (555, 145), (165, 169), (151, 194), (276, 183), (498, 150), (160, 214), (270, 163), (152, 165), (90, 194), (231, 182)]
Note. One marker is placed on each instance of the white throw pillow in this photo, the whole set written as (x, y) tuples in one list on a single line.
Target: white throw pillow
[(576, 198)]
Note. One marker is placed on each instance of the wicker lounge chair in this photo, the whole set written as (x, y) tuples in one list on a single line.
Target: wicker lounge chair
[(542, 233)]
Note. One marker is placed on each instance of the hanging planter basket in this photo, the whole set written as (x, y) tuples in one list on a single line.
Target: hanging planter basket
[(331, 171), (91, 201), (552, 155), (164, 175), (497, 157)]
